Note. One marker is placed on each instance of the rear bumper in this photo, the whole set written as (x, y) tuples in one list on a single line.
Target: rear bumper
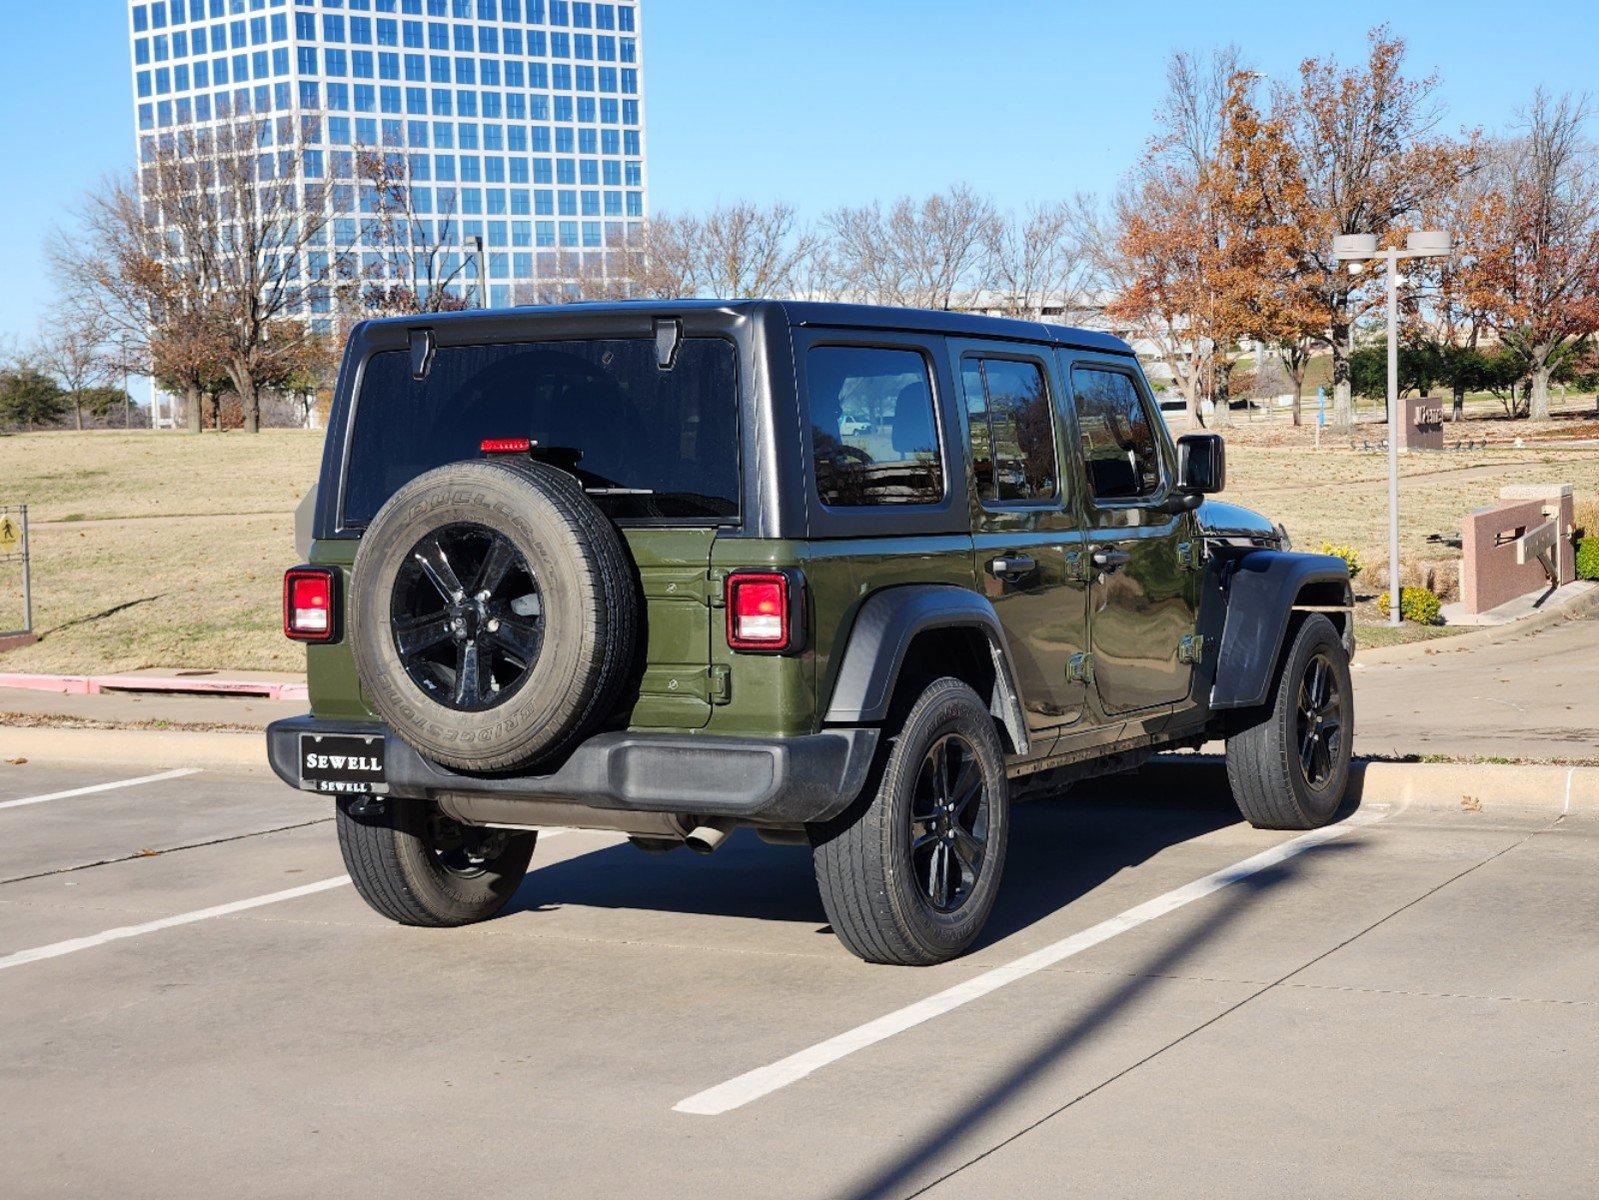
[(777, 781)]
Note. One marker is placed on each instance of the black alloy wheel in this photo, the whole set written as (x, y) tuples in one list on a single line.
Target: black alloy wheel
[(467, 617), (949, 824), (1319, 725)]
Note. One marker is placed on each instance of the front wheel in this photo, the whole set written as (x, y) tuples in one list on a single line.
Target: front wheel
[(1291, 768), (911, 878), (414, 865)]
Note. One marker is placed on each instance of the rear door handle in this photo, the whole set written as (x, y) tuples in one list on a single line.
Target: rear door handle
[(1109, 560), (1011, 567)]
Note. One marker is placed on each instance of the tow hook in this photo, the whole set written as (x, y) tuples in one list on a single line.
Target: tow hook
[(367, 806)]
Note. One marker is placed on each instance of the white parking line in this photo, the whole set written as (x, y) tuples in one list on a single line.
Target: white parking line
[(762, 1081), (100, 787), (73, 945)]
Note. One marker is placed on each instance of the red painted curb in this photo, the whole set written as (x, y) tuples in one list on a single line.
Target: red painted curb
[(93, 685)]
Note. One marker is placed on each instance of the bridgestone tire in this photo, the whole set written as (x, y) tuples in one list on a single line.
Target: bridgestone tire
[(863, 859), (393, 866), (1268, 781), (590, 608)]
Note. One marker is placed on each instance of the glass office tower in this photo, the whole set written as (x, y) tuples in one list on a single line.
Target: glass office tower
[(517, 124)]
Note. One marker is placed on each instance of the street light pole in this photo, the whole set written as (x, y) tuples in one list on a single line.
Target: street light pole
[(1395, 617), (1357, 249)]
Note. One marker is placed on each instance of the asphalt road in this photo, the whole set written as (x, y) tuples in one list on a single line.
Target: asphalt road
[(1168, 1004), (1528, 696)]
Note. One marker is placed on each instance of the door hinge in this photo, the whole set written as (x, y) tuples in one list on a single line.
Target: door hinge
[(716, 587), (1080, 668), (1191, 555), (1191, 648), (721, 684)]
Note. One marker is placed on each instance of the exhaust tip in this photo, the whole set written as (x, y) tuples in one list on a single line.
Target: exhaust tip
[(707, 838)]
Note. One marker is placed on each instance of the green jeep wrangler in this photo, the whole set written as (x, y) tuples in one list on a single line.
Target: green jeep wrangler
[(842, 574)]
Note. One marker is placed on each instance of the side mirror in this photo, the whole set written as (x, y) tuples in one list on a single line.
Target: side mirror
[(1201, 464)]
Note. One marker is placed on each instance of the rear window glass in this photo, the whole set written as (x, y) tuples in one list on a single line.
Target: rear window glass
[(645, 443), (873, 433)]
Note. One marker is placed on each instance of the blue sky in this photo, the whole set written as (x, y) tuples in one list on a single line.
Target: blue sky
[(828, 101)]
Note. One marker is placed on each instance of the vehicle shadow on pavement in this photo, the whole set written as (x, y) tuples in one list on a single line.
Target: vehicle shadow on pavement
[(1060, 849), (961, 1136), (1064, 847)]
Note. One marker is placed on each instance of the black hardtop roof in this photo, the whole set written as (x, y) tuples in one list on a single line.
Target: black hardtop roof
[(799, 313)]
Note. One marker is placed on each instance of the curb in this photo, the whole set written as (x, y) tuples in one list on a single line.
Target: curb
[(1469, 787), (138, 747), (1460, 787), (178, 685)]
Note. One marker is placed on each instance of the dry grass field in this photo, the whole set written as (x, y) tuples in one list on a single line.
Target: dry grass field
[(156, 549), (162, 550)]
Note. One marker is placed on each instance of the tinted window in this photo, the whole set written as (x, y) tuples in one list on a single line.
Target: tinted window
[(873, 434), (1120, 452), (1013, 431), (645, 443)]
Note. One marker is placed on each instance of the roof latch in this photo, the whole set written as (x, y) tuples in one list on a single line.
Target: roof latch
[(422, 346), (668, 333)]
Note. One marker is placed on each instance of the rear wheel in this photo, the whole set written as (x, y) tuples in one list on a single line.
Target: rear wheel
[(911, 878), (415, 865), (1290, 770)]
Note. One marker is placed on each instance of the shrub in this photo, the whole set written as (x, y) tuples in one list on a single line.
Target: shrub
[(1348, 554), (1588, 557), (1416, 604)]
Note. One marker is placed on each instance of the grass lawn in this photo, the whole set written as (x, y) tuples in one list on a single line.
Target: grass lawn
[(164, 550), (156, 549), (1369, 635)]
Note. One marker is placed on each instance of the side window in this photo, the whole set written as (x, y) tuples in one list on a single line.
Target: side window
[(1013, 429), (1120, 451), (873, 434)]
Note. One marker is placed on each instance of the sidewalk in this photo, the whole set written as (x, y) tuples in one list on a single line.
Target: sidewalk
[(1523, 692), (145, 710)]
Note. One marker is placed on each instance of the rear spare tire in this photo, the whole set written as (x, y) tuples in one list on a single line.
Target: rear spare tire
[(493, 614)]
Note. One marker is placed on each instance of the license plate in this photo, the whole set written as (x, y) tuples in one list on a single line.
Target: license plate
[(342, 762)]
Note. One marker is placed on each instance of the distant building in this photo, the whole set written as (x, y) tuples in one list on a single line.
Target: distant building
[(521, 121)]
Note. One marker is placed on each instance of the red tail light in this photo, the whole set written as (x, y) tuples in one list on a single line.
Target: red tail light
[(505, 445), (765, 611), (309, 610)]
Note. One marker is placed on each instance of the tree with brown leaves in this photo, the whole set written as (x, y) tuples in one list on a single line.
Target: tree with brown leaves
[(1165, 256), (1367, 158), (1534, 237)]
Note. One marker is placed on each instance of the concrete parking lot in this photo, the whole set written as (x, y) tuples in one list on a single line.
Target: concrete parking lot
[(1167, 1003)]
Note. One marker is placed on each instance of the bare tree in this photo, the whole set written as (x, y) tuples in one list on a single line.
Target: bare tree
[(929, 253), (733, 252), (222, 247), (1041, 259), (424, 263), (73, 349), (745, 250)]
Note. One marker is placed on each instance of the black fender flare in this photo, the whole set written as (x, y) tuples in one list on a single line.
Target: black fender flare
[(882, 633), (1262, 588)]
